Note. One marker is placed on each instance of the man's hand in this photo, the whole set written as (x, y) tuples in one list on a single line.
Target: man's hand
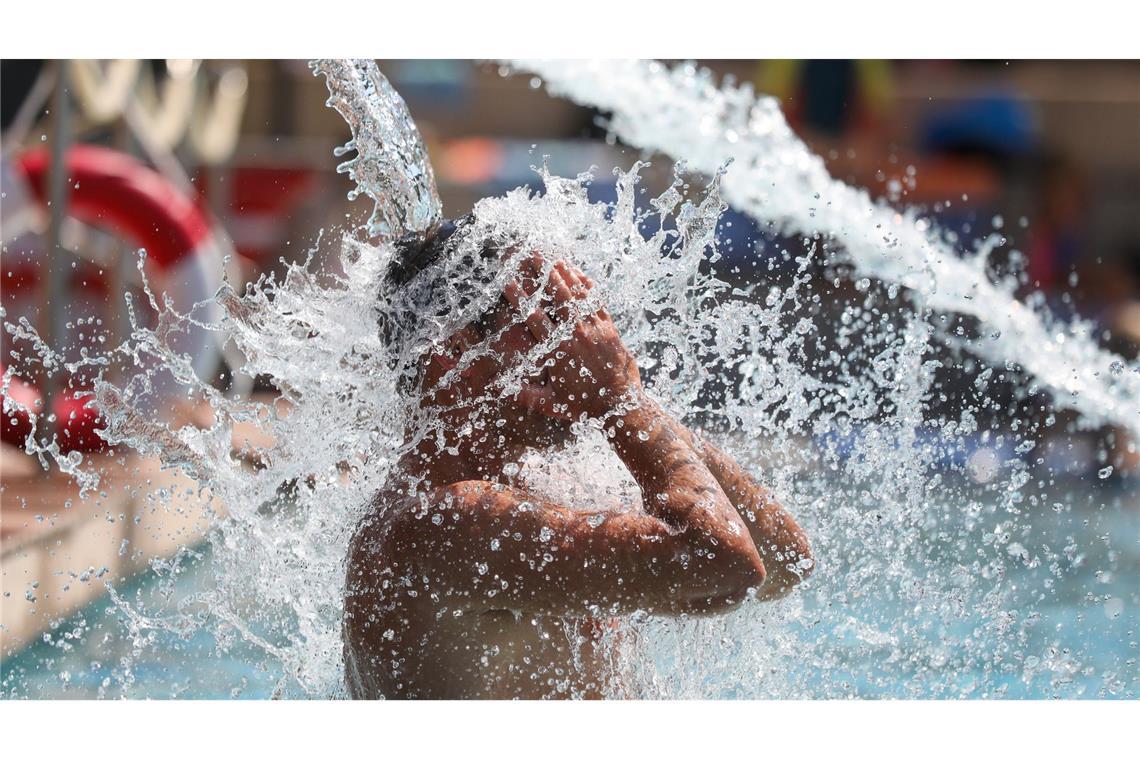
[(591, 372)]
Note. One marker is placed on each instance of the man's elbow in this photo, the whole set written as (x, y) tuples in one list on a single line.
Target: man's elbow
[(739, 583), (738, 571), (716, 605), (733, 572), (748, 574)]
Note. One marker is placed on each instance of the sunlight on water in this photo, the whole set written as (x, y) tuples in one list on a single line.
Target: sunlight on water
[(916, 538), (683, 113)]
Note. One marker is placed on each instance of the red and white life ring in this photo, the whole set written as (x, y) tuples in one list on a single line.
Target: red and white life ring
[(112, 190)]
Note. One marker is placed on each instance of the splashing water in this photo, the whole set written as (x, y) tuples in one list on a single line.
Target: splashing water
[(920, 558), (683, 113), (392, 166)]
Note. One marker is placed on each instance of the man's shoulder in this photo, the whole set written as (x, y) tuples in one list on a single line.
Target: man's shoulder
[(401, 524), (392, 507)]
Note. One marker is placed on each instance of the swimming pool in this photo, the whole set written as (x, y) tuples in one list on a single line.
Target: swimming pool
[(1072, 634)]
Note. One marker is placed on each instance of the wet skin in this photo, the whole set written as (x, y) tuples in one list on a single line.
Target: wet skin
[(461, 584)]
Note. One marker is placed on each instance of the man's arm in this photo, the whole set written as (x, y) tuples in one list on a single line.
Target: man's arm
[(782, 543), (494, 547), (605, 363)]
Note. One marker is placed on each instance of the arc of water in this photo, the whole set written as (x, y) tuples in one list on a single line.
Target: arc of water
[(391, 165), (684, 113)]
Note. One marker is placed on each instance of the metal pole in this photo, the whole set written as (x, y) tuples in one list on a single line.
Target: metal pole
[(122, 262), (55, 294)]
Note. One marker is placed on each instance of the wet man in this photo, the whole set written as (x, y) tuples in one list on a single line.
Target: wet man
[(461, 584)]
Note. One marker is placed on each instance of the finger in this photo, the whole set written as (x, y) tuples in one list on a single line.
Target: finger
[(579, 276), (560, 295), (574, 279), (565, 270), (537, 323), (558, 288)]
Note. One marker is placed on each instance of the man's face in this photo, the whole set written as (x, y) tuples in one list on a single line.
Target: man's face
[(472, 397)]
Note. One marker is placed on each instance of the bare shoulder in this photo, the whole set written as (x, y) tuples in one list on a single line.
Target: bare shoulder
[(463, 507), (400, 525), (386, 506), (369, 556)]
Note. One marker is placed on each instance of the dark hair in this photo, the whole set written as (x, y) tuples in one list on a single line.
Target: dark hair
[(416, 252), (398, 317)]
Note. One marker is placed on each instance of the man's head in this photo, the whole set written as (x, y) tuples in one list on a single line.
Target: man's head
[(454, 374)]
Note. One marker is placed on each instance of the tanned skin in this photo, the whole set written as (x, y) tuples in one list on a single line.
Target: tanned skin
[(463, 585)]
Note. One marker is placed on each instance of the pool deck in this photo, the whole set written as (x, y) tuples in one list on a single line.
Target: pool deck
[(58, 551)]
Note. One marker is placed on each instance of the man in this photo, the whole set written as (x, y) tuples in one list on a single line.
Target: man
[(462, 584)]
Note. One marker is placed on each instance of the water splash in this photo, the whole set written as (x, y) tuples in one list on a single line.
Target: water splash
[(682, 112), (921, 562), (391, 166)]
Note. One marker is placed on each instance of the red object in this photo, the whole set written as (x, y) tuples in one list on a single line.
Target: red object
[(261, 200), (113, 190), (107, 189), (76, 422)]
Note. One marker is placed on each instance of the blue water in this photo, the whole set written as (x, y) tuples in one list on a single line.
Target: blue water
[(92, 654), (1072, 636), (1091, 611)]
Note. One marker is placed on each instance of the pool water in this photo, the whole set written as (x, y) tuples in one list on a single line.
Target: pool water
[(1072, 633), (1071, 636), (93, 654)]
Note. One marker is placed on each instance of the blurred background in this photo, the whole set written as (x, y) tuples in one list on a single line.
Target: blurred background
[(228, 166), (1048, 152)]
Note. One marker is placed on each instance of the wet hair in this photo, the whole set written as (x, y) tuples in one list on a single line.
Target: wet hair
[(415, 253), (415, 290)]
